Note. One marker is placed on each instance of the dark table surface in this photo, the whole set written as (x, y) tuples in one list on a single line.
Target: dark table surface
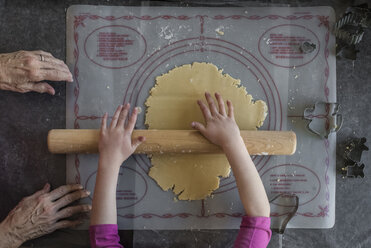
[(25, 119)]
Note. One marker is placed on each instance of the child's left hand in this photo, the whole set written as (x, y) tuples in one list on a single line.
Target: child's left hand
[(115, 142)]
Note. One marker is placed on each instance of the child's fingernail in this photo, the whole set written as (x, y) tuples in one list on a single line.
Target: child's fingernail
[(87, 192), (138, 109)]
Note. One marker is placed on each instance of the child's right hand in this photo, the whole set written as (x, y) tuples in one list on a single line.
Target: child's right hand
[(115, 142), (221, 128)]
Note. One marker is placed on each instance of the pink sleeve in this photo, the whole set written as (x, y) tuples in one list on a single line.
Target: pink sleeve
[(104, 236), (254, 232)]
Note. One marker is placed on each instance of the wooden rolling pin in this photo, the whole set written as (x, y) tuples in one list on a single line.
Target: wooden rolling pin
[(173, 141)]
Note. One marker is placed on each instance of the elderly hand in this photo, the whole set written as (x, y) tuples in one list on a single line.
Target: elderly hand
[(21, 71), (42, 213)]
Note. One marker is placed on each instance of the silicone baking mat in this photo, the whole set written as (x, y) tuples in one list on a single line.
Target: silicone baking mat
[(115, 53)]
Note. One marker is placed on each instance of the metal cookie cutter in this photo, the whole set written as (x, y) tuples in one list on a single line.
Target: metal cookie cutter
[(352, 155), (307, 47), (353, 169), (323, 118), (350, 29), (355, 148), (284, 208), (291, 205)]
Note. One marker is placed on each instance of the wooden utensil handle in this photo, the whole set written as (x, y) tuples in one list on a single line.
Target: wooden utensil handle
[(173, 141)]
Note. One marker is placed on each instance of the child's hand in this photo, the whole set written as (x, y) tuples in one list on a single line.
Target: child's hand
[(221, 128), (115, 143)]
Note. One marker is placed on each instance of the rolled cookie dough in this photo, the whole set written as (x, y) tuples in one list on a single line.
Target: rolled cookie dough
[(172, 105)]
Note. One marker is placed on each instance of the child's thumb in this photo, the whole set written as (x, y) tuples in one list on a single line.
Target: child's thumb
[(198, 126), (136, 142)]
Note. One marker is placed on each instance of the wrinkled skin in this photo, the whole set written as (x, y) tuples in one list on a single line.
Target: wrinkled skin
[(42, 213), (22, 71)]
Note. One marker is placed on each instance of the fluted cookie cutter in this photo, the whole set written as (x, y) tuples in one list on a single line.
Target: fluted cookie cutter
[(349, 29), (323, 118)]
